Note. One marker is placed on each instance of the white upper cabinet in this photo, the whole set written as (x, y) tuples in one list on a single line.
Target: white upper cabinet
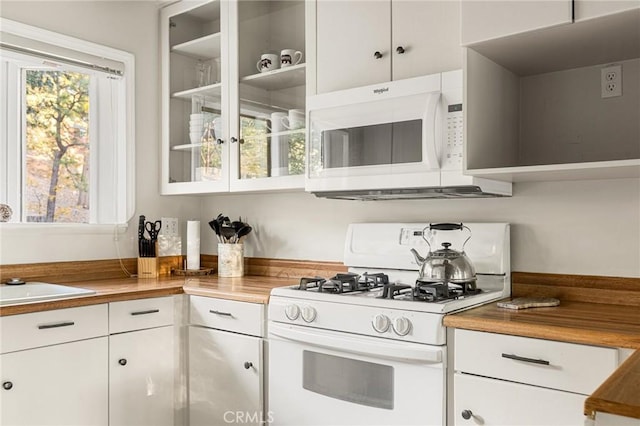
[(366, 42), (589, 9), (485, 20), (219, 104)]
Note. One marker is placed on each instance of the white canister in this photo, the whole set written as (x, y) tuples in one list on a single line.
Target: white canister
[(230, 260)]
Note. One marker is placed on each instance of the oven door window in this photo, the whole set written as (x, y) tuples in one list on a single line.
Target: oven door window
[(356, 381)]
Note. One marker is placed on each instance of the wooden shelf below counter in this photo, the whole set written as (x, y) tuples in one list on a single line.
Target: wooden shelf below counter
[(620, 394)]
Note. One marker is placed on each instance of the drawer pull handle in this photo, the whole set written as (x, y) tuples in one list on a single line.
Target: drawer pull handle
[(150, 311), (224, 314), (7, 385), (466, 414), (521, 358), (60, 324)]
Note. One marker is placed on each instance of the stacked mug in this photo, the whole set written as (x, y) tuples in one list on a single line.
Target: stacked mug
[(280, 122), (273, 61), (196, 126)]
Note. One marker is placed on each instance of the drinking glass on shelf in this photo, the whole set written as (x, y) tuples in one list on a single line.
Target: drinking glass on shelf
[(203, 74)]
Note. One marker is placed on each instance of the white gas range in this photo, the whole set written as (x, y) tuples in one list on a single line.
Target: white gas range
[(368, 347)]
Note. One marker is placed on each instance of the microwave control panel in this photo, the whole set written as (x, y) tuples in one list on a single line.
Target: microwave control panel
[(452, 155)]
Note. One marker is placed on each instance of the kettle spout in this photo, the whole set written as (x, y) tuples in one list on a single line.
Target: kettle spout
[(419, 259)]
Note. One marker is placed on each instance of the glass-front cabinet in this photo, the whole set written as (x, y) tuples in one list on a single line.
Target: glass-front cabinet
[(233, 82)]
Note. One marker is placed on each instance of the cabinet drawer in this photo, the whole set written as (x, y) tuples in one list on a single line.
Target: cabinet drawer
[(496, 402), (231, 315), (558, 365), (140, 314), (52, 327)]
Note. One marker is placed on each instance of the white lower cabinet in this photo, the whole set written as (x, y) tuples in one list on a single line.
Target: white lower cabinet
[(141, 378), (226, 371), (512, 380), (483, 401), (64, 384)]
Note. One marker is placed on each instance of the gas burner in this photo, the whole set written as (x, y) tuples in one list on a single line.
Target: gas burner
[(431, 292), (344, 283), (391, 291)]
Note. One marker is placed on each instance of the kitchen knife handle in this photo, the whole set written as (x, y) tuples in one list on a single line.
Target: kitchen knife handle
[(56, 325), (524, 359), (150, 311), (224, 314)]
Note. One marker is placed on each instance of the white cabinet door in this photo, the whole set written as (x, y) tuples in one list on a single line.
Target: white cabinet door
[(425, 37), (588, 9), (479, 400), (225, 378), (485, 20), (349, 33), (141, 378), (62, 385)]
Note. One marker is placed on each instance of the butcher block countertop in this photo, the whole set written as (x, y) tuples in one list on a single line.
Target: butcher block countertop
[(253, 289), (575, 322), (614, 322)]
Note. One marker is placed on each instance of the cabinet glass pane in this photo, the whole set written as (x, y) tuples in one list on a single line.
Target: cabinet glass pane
[(195, 95), (271, 88)]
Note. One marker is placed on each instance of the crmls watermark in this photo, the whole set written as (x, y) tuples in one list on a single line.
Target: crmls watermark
[(242, 417), (381, 90)]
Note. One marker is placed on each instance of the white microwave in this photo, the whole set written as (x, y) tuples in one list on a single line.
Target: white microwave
[(401, 139)]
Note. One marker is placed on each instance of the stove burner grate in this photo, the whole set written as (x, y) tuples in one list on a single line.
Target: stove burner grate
[(344, 283)]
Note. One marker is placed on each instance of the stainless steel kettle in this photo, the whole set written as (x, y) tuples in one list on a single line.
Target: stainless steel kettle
[(445, 264)]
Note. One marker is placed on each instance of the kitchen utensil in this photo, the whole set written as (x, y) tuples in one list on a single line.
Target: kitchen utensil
[(141, 236), (529, 302), (153, 228), (228, 233), (245, 230), (446, 265)]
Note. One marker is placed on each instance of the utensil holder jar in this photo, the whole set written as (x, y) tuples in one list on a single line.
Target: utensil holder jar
[(230, 260)]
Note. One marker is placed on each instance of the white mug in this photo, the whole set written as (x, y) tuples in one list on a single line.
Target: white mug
[(267, 62), (289, 57), (294, 120)]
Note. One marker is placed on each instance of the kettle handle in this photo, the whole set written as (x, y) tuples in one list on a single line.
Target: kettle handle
[(446, 227)]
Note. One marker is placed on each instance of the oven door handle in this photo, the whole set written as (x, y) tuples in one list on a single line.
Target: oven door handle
[(367, 346)]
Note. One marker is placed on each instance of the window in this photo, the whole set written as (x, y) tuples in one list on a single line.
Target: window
[(66, 138)]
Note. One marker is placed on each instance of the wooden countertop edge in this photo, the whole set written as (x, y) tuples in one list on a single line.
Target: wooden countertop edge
[(563, 334), (620, 393), (229, 295)]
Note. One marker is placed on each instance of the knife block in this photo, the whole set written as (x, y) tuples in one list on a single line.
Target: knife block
[(147, 267)]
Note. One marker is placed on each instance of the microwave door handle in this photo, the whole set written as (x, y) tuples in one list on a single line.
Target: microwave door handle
[(429, 129)]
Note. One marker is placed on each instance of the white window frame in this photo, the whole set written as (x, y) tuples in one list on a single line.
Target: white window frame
[(123, 157)]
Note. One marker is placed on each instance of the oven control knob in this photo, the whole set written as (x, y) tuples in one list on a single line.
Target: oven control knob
[(308, 313), (381, 323), (402, 326), (292, 312)]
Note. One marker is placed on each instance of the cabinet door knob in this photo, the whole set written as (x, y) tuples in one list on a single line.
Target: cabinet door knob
[(219, 141), (466, 414), (377, 55), (400, 50), (248, 365), (122, 361), (234, 140), (7, 385)]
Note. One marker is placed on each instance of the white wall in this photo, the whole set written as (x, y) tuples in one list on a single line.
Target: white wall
[(127, 25), (576, 227)]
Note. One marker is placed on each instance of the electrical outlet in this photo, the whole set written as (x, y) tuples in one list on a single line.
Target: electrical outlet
[(611, 81), (169, 226)]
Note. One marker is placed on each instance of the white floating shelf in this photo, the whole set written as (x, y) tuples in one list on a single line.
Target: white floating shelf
[(202, 48), (186, 147), (282, 78), (214, 90), (283, 133)]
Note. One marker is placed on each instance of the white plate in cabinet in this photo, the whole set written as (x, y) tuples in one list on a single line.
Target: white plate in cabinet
[(140, 314), (557, 365), (230, 315), (491, 402), (52, 327)]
